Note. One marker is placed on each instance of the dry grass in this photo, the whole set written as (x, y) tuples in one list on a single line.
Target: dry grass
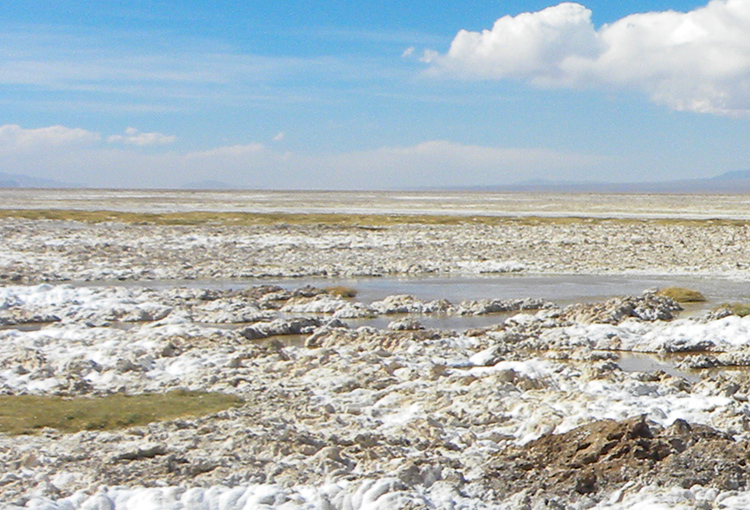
[(27, 414), (342, 220), (738, 309), (682, 295), (341, 291), (246, 219)]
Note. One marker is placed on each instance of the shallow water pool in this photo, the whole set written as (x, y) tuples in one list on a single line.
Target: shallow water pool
[(562, 289)]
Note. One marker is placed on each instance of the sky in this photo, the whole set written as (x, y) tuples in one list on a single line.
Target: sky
[(373, 95)]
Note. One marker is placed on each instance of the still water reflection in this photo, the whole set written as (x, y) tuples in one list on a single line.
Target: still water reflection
[(562, 289)]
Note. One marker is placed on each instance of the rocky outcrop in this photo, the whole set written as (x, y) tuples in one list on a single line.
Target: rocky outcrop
[(487, 306), (648, 307), (281, 327), (409, 304), (601, 457)]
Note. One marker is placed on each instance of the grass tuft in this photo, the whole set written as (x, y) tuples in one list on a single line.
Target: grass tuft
[(341, 291), (738, 309), (682, 295), (27, 414)]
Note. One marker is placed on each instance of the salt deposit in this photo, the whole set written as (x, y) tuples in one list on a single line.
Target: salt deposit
[(379, 419), (358, 403), (54, 251)]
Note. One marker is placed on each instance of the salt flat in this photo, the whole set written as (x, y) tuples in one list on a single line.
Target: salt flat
[(48, 251), (531, 410), (458, 203)]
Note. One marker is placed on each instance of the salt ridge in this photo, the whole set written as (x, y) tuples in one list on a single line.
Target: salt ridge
[(557, 396)]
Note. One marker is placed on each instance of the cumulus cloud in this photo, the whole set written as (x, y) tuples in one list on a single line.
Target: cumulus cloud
[(134, 137), (14, 138), (530, 45), (694, 61)]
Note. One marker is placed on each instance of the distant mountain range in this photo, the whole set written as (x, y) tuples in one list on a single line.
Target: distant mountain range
[(735, 182), (24, 181), (210, 185)]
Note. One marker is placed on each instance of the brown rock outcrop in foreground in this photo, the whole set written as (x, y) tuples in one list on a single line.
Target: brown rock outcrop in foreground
[(601, 457)]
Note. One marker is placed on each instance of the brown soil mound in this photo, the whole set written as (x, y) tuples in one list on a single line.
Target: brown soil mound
[(598, 458)]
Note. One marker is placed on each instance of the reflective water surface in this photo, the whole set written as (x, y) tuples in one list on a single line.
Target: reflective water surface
[(562, 289)]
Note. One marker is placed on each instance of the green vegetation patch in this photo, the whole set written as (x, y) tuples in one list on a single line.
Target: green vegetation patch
[(27, 414), (738, 309), (682, 295)]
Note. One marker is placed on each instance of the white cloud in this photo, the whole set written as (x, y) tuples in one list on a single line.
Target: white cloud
[(428, 56), (408, 52), (230, 151), (694, 61), (145, 69), (444, 163), (70, 156), (14, 138), (279, 136), (134, 137), (528, 45)]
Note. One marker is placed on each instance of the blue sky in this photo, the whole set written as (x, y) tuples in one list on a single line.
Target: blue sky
[(387, 95)]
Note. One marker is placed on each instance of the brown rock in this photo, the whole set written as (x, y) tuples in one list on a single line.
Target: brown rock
[(598, 458)]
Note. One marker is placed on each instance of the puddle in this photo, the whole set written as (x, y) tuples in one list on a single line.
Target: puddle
[(283, 340), (562, 289), (650, 363), (458, 323), (29, 326)]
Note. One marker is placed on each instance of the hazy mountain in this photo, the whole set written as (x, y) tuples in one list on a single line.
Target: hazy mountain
[(24, 181), (209, 184), (736, 175), (734, 182)]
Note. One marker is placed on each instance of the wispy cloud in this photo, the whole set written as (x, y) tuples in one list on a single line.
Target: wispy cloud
[(164, 70), (69, 154), (447, 163), (694, 61), (15, 139), (230, 151), (115, 70), (134, 137), (390, 37)]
